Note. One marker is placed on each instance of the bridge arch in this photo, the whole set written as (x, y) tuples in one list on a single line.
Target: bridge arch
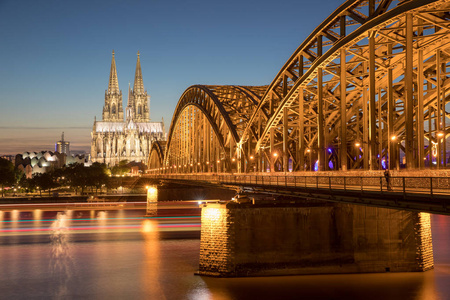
[(206, 127), (156, 155), (358, 79)]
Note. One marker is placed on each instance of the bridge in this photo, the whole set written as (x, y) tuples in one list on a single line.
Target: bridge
[(367, 90)]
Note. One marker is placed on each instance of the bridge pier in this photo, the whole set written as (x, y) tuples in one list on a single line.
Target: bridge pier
[(313, 238)]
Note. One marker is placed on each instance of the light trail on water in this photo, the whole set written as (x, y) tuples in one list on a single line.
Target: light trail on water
[(90, 219)]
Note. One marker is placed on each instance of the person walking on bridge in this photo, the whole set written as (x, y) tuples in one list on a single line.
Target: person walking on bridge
[(388, 179)]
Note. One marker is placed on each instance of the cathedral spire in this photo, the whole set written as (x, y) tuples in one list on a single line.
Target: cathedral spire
[(130, 106), (113, 86), (130, 101), (138, 82), (113, 107)]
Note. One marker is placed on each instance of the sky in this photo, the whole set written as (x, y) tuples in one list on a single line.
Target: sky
[(55, 57)]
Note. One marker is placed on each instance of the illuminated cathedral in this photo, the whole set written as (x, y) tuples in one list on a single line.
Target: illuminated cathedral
[(115, 138)]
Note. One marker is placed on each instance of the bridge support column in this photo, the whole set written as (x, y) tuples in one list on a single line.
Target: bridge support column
[(343, 112), (152, 200), (311, 238), (320, 120), (285, 140), (409, 104), (272, 150), (372, 94)]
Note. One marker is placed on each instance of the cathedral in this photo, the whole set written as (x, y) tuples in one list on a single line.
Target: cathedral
[(115, 138)]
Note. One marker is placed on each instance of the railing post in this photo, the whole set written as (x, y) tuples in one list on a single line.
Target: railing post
[(431, 186), (381, 184), (404, 185)]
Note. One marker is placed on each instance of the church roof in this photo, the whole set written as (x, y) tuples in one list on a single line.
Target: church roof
[(148, 127)]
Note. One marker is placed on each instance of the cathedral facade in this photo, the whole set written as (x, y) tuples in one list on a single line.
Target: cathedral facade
[(116, 138)]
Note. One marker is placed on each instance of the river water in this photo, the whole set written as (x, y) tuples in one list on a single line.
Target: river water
[(120, 254)]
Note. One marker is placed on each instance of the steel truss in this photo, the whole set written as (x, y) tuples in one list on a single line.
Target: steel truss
[(368, 87)]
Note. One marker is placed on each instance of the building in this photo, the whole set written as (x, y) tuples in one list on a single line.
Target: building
[(62, 146), (41, 162), (115, 139)]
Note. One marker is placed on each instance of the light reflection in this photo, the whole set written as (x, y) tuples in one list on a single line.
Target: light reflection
[(37, 215), (148, 226), (152, 262), (37, 221), (102, 215), (1, 219), (102, 219), (14, 215)]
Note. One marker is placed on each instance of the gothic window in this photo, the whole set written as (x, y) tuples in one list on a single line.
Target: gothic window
[(113, 109), (139, 110)]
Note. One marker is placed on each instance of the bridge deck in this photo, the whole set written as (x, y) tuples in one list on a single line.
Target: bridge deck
[(428, 194)]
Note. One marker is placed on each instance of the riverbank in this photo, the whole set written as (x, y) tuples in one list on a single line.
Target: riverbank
[(73, 198)]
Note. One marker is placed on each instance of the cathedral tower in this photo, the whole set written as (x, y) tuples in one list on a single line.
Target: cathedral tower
[(138, 99), (113, 108)]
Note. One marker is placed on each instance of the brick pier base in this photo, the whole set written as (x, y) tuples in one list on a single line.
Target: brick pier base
[(288, 239)]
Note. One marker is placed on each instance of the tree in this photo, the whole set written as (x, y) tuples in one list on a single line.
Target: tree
[(97, 175), (121, 169), (77, 177), (27, 183), (45, 181), (7, 174)]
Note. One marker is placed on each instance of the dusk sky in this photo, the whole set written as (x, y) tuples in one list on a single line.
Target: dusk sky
[(55, 57)]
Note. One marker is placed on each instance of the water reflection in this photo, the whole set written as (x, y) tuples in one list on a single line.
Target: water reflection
[(138, 258), (151, 269)]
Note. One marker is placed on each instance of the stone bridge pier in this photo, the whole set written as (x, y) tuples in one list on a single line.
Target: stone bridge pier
[(277, 238)]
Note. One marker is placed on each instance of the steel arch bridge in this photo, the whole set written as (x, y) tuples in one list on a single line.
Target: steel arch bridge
[(368, 89)]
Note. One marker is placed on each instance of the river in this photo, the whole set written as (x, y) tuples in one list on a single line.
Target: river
[(120, 254)]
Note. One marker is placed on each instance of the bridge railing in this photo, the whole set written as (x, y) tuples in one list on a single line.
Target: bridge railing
[(402, 184)]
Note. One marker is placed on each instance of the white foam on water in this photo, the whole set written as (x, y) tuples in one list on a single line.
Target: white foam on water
[(61, 262)]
